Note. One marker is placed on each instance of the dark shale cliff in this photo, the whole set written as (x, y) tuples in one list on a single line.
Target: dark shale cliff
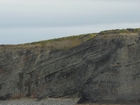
[(101, 68)]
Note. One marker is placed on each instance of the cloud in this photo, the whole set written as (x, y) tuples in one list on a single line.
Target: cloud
[(24, 35), (45, 13), (33, 20)]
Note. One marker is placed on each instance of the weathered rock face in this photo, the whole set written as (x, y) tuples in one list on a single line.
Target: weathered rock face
[(103, 69)]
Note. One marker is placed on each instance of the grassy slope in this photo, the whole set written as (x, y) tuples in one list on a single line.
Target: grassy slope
[(69, 42), (64, 42)]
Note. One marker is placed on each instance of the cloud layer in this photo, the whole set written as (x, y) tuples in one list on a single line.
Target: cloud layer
[(39, 15)]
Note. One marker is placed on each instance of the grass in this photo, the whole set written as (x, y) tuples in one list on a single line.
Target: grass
[(68, 42), (128, 30), (64, 42)]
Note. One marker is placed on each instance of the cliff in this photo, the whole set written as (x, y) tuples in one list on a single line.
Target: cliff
[(101, 68)]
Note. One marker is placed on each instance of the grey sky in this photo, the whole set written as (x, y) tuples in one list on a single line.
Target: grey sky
[(24, 21)]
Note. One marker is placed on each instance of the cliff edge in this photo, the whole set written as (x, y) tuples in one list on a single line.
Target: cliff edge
[(100, 68)]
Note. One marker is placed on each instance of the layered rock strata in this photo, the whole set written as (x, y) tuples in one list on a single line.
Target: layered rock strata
[(104, 69)]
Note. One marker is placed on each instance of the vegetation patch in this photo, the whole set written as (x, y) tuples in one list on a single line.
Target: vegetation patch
[(128, 30), (64, 42)]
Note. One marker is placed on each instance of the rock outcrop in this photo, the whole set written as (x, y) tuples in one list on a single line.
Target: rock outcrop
[(103, 69)]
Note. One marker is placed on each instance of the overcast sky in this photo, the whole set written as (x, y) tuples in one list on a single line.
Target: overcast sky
[(23, 21)]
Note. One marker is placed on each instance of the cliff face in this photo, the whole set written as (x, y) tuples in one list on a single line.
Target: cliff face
[(102, 69)]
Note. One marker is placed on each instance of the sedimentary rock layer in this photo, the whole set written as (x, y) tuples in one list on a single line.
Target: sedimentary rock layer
[(104, 69)]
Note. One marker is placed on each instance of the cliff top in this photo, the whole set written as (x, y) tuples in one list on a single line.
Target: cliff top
[(71, 41)]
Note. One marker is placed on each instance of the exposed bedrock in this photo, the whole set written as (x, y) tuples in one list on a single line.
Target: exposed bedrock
[(105, 69)]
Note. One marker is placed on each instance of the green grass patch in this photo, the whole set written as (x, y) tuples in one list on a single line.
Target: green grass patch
[(65, 42)]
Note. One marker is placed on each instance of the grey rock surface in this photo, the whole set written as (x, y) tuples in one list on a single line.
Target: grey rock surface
[(105, 69), (25, 101)]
